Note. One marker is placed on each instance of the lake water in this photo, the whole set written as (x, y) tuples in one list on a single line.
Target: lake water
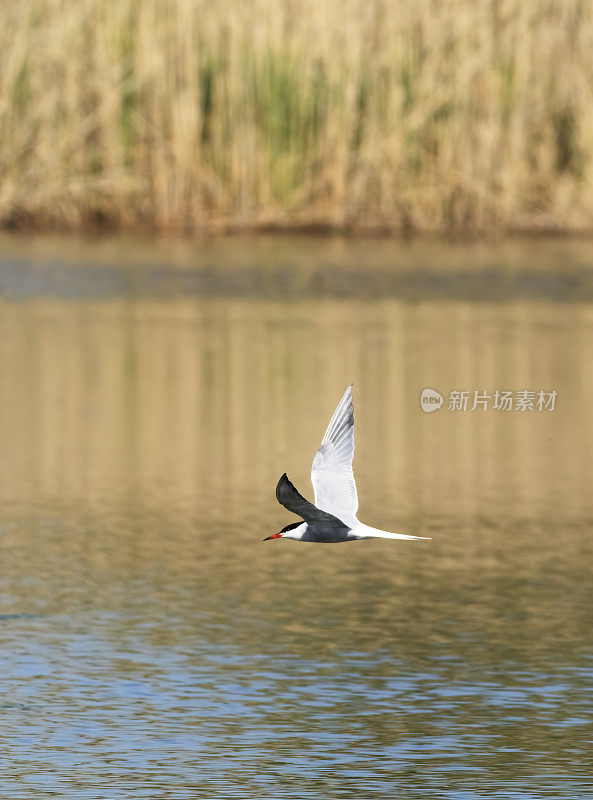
[(151, 394)]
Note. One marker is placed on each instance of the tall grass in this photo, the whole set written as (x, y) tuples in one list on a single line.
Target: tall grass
[(384, 114)]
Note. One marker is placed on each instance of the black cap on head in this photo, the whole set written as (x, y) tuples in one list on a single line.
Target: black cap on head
[(291, 526)]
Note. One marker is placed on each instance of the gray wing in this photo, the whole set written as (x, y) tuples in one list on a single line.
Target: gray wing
[(288, 496), (331, 473)]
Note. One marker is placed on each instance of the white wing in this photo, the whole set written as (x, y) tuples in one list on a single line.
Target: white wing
[(331, 473)]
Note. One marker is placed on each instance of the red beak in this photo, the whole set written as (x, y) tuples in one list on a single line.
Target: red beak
[(273, 536)]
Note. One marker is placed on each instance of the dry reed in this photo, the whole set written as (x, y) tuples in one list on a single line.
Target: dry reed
[(350, 114)]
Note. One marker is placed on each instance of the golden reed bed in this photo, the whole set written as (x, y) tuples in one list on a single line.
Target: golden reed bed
[(436, 115)]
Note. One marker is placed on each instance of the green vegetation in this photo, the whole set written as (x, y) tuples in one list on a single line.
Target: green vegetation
[(464, 115)]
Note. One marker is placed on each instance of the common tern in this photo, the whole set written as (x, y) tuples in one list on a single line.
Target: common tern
[(333, 516)]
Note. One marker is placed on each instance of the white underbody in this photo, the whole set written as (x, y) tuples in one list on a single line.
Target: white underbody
[(360, 531)]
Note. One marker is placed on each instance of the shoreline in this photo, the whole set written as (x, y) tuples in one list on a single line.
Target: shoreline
[(236, 228), (296, 268)]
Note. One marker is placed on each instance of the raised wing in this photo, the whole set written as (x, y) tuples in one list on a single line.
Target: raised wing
[(331, 473), (288, 496)]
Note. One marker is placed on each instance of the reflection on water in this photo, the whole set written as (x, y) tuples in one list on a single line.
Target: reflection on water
[(154, 647)]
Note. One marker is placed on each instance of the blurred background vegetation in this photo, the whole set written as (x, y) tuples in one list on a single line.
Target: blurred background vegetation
[(355, 115)]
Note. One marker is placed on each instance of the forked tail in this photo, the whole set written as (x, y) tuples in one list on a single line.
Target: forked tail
[(366, 532)]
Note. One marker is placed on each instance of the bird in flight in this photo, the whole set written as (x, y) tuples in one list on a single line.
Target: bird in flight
[(333, 516)]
